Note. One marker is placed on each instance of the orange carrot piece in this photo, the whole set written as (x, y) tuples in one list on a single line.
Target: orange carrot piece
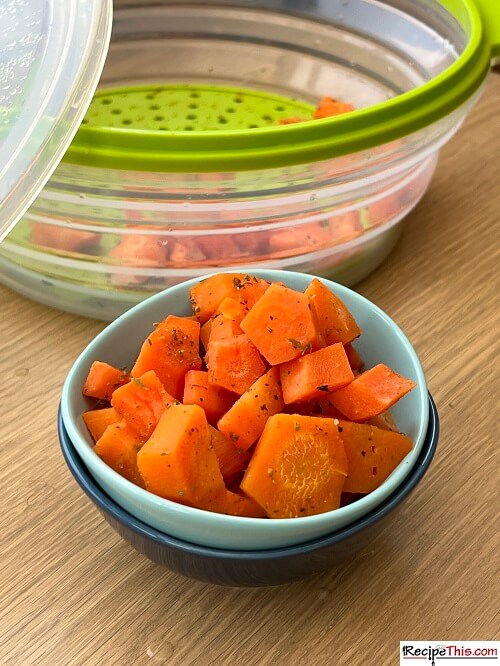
[(372, 454), (238, 504), (244, 423), (62, 238), (141, 402), (205, 331), (178, 462), (336, 322), (208, 294), (330, 107), (118, 447), (385, 421), (371, 393), (298, 467), (234, 363), (102, 380), (171, 350), (97, 420), (325, 408), (282, 325), (355, 360), (214, 400), (292, 120), (315, 374), (232, 309), (232, 461)]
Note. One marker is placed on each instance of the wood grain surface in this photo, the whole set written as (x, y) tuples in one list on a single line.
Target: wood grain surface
[(72, 592)]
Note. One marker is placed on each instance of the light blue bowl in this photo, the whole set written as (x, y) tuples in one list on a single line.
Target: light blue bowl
[(382, 342)]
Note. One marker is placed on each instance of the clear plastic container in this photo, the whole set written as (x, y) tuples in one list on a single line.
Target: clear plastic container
[(100, 238)]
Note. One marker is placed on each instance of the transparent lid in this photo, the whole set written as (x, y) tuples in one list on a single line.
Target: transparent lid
[(51, 56)]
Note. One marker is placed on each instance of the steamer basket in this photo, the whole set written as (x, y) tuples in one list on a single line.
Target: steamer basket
[(181, 167)]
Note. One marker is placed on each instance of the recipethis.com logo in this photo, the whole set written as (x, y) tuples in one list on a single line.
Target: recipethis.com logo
[(440, 653)]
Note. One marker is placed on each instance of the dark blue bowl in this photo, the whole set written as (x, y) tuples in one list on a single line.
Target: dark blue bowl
[(250, 568)]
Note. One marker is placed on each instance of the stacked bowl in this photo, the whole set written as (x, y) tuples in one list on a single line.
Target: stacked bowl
[(235, 550)]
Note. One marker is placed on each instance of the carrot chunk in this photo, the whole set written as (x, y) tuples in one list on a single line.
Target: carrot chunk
[(232, 460), (208, 294), (298, 468), (244, 423), (238, 504), (214, 400), (178, 462), (355, 360), (118, 447), (371, 393), (281, 325), (97, 420), (234, 363), (330, 107), (141, 402), (372, 454), (385, 421), (171, 350), (336, 322), (102, 380), (315, 374)]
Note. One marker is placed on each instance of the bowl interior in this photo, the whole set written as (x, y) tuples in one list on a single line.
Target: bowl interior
[(119, 343)]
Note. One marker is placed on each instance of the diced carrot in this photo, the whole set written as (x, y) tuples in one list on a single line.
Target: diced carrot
[(345, 226), (385, 421), (234, 363), (171, 350), (219, 247), (232, 309), (331, 107), (355, 360), (289, 241), (232, 460), (178, 462), (336, 322), (220, 327), (282, 325), (371, 393), (118, 447), (244, 423), (238, 504), (141, 250), (372, 454), (207, 295), (205, 331), (103, 379), (298, 467), (141, 402), (214, 400), (326, 408), (383, 210), (292, 120), (97, 420), (313, 375), (61, 237)]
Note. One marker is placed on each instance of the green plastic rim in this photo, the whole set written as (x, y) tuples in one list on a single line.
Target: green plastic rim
[(205, 149)]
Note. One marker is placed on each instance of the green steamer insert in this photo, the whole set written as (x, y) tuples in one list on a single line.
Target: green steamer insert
[(190, 107)]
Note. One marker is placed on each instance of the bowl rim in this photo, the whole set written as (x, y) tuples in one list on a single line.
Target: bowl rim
[(104, 503), (179, 511)]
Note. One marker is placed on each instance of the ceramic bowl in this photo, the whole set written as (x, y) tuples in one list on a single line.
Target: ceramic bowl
[(382, 342), (253, 568)]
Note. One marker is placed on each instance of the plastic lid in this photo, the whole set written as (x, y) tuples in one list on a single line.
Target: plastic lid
[(51, 56)]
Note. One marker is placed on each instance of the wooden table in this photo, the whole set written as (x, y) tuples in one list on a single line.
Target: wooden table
[(72, 592)]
